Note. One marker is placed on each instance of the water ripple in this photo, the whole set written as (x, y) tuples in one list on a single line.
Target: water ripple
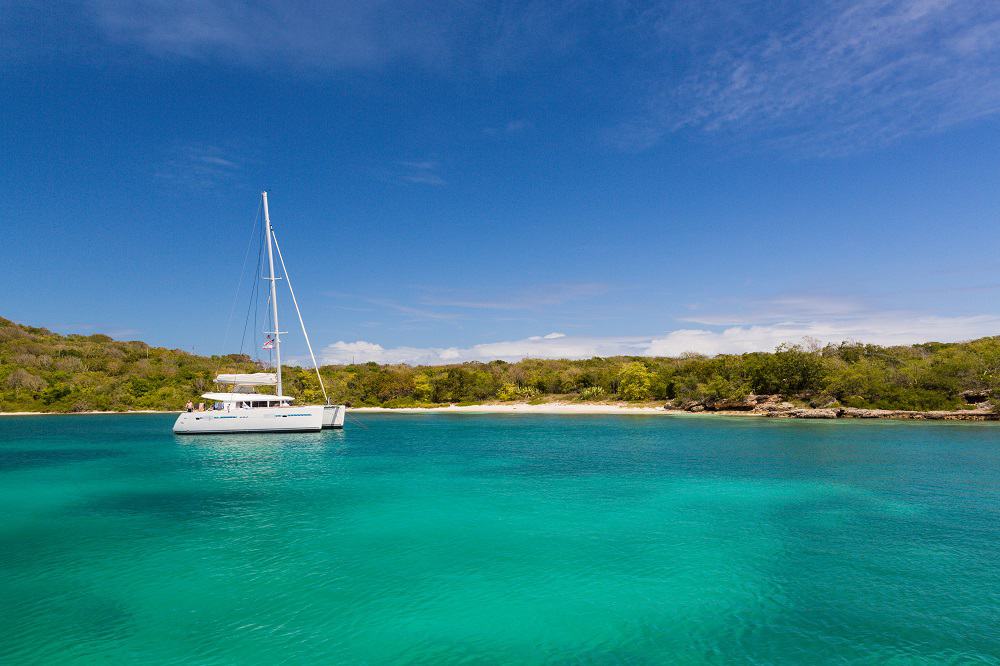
[(499, 540)]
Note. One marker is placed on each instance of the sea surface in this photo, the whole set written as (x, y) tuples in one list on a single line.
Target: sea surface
[(491, 539)]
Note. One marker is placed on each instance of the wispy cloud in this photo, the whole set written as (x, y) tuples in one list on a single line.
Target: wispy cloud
[(780, 309), (422, 172), (540, 296), (328, 35), (825, 78), (885, 329), (339, 34), (199, 165), (411, 311), (446, 305), (818, 78), (510, 127)]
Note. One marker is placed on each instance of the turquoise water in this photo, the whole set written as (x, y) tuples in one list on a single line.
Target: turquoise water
[(498, 539)]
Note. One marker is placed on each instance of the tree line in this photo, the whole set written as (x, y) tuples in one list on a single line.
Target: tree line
[(45, 371)]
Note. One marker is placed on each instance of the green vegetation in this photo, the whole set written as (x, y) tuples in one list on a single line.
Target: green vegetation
[(44, 371)]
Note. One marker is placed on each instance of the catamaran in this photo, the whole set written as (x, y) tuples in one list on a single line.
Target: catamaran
[(241, 409)]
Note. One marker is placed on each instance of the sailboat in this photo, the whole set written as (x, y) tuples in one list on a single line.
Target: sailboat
[(240, 408)]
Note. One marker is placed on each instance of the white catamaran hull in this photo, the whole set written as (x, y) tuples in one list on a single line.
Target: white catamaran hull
[(333, 416), (256, 419)]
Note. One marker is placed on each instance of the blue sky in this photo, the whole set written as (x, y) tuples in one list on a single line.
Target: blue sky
[(456, 181)]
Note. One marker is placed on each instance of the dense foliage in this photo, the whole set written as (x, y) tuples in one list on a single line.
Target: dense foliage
[(44, 371)]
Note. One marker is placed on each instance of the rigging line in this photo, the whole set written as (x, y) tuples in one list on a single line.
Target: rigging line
[(309, 346), (355, 421), (239, 284), (252, 307), (253, 302)]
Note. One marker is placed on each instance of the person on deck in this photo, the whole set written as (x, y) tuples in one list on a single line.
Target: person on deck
[(189, 406)]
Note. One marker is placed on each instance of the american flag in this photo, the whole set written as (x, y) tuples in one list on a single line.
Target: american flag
[(268, 343)]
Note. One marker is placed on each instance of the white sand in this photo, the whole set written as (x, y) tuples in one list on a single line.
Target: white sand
[(504, 408), (522, 408)]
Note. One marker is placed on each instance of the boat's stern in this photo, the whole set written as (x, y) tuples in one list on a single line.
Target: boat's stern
[(182, 423), (334, 415)]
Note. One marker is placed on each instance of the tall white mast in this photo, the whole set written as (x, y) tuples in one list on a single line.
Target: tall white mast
[(274, 293)]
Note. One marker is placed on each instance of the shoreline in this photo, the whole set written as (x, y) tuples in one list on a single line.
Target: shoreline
[(93, 412), (564, 408), (521, 408), (607, 409)]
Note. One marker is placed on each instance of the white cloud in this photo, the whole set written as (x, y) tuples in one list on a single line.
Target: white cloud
[(199, 165), (826, 77), (511, 127), (410, 311), (328, 35), (885, 329), (783, 309), (341, 34), (362, 351), (537, 297), (423, 172)]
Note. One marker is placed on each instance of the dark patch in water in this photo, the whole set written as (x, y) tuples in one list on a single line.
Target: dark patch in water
[(29, 458), (175, 504)]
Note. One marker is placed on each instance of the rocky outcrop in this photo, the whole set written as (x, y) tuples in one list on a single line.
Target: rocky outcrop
[(747, 404), (774, 409), (773, 406), (813, 413), (937, 415), (855, 413), (975, 397)]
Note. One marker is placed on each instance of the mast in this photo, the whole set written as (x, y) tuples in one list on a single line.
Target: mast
[(274, 294)]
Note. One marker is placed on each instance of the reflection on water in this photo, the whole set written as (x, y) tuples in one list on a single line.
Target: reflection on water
[(259, 456)]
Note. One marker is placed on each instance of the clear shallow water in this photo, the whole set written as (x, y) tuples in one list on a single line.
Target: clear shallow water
[(489, 539)]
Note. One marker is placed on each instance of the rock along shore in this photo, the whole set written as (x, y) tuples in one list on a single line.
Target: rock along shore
[(772, 406)]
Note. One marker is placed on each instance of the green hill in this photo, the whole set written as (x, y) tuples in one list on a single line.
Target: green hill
[(45, 371)]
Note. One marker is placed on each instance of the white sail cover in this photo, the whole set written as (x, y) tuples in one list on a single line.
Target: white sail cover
[(246, 397), (252, 379)]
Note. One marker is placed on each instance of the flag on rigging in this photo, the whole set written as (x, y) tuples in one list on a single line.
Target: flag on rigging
[(268, 343)]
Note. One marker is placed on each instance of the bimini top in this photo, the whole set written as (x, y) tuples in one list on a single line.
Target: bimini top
[(246, 397), (252, 379)]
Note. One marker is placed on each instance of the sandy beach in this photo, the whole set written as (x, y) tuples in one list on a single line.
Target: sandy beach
[(524, 408), (506, 408), (131, 411)]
